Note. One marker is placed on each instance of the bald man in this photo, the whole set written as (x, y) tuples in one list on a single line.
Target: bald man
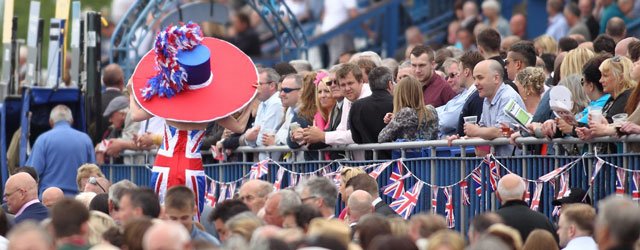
[(489, 77), (51, 196), (167, 235), (358, 205), (515, 211), (254, 194), (506, 43), (518, 25), (21, 194), (622, 47), (616, 28)]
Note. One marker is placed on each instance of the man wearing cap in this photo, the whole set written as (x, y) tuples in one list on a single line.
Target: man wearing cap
[(575, 195), (58, 153), (116, 113)]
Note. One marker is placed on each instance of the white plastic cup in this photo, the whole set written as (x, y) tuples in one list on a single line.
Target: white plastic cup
[(470, 119), (618, 119), (596, 114)]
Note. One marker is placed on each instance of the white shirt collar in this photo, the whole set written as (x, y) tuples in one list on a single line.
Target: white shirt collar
[(376, 201)]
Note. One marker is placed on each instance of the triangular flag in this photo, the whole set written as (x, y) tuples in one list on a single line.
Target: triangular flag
[(405, 204)]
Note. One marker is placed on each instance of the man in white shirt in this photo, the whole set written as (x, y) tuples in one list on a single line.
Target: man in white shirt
[(270, 111), (350, 79), (335, 13), (461, 81), (575, 227)]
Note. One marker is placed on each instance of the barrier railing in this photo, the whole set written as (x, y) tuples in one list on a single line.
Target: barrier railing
[(446, 169)]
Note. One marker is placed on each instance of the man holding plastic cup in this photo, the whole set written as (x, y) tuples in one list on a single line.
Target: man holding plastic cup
[(488, 75)]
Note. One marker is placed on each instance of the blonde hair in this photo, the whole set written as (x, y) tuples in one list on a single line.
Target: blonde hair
[(547, 44), (531, 78), (308, 98), (99, 223), (540, 240), (85, 198), (620, 67), (86, 171), (408, 94), (324, 112), (334, 228), (244, 224), (446, 238), (346, 173), (579, 98), (507, 234), (399, 226), (573, 61)]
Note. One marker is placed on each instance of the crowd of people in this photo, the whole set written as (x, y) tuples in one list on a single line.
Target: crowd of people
[(124, 216)]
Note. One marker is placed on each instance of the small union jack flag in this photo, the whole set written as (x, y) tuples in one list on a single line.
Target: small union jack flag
[(396, 186), (450, 216), (464, 192), (405, 204), (553, 174), (210, 197), (379, 169), (635, 186), (527, 194), (563, 191), (223, 193), (476, 175), (259, 169), (599, 165), (231, 190), (278, 183), (293, 179), (434, 199), (494, 173), (621, 178), (535, 200)]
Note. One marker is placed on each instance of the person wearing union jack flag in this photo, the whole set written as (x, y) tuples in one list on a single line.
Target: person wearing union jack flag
[(515, 212), (190, 81)]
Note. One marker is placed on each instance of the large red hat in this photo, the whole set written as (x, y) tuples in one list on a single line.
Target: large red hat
[(187, 78)]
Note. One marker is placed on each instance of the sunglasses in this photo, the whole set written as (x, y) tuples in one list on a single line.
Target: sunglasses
[(288, 90), (330, 82), (450, 75)]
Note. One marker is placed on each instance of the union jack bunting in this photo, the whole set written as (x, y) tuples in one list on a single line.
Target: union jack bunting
[(527, 193), (450, 216), (407, 201), (621, 178), (293, 180), (547, 177), (599, 165), (563, 190), (535, 200), (210, 197), (477, 178), (396, 184), (379, 169), (494, 173), (434, 199), (231, 190), (223, 193), (635, 186), (464, 193), (278, 183), (259, 169)]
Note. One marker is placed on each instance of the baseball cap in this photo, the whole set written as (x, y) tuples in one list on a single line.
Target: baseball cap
[(576, 195)]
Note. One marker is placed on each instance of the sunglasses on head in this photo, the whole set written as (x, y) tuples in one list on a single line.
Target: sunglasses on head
[(288, 90)]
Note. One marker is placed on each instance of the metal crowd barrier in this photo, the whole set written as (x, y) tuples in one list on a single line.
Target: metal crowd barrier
[(448, 166)]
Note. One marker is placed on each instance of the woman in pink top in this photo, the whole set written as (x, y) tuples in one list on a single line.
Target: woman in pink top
[(324, 100)]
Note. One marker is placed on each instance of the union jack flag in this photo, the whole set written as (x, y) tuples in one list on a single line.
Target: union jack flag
[(451, 220), (278, 182), (210, 197), (635, 186), (464, 189), (547, 177), (599, 165), (527, 193), (223, 193), (293, 180), (477, 178), (434, 199), (621, 175), (405, 204), (379, 169), (535, 201), (562, 191), (259, 169), (396, 186), (494, 172), (231, 190)]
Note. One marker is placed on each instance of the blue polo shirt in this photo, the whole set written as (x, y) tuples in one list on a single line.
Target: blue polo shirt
[(493, 113), (57, 154), (197, 234)]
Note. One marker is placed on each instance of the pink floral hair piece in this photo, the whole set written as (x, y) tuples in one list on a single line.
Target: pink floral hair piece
[(320, 76)]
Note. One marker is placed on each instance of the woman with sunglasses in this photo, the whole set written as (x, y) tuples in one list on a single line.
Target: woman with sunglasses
[(325, 103), (411, 119), (303, 115), (616, 80)]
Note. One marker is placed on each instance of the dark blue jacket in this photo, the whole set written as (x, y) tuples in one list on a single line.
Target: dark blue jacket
[(36, 212)]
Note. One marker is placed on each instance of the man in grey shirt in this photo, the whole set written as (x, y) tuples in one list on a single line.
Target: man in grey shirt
[(576, 25), (489, 83)]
